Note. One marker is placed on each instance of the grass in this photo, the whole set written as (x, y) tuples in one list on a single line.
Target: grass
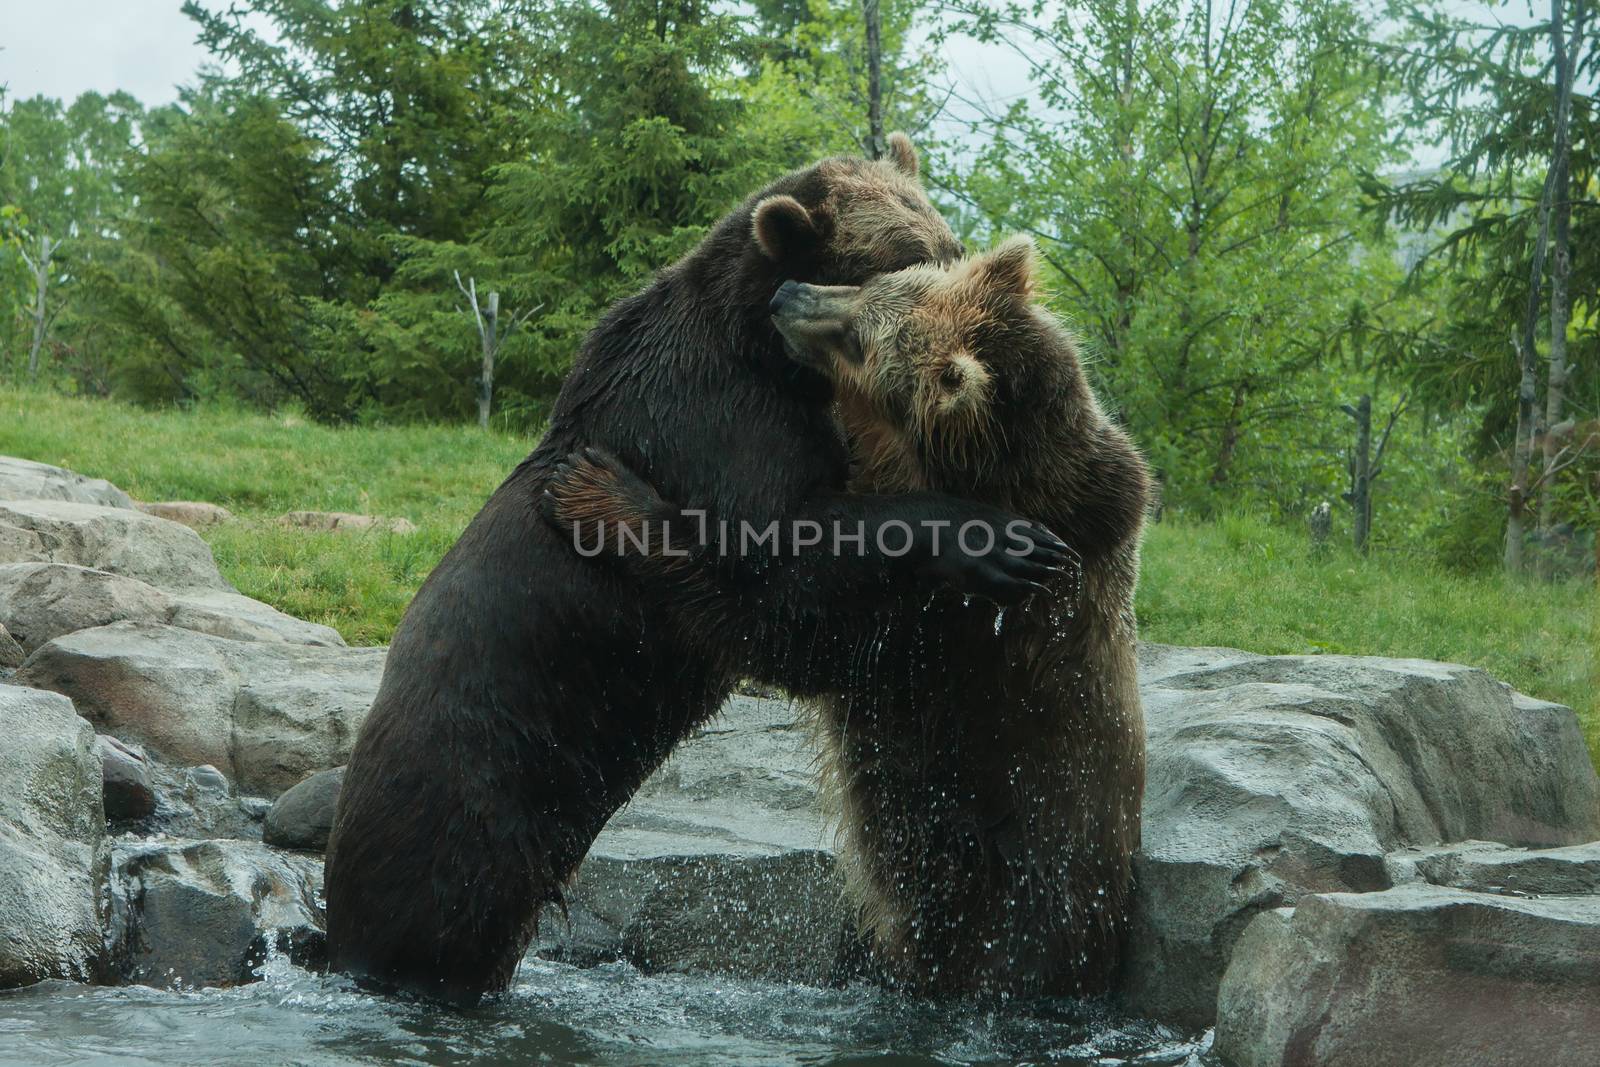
[(1237, 582), (1246, 584), (261, 466)]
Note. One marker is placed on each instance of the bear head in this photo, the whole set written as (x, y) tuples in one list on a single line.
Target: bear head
[(936, 368), (846, 219)]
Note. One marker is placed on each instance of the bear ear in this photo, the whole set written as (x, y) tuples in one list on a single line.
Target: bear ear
[(903, 154), (783, 228), (1012, 268)]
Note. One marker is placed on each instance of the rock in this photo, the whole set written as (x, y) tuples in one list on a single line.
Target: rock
[(265, 714), (1273, 777), (239, 617), (722, 863), (53, 851), (11, 654), (206, 782), (23, 479), (120, 540), (191, 513), (1490, 868), (208, 913), (342, 520), (1418, 976), (303, 817), (195, 803), (127, 788), (40, 601)]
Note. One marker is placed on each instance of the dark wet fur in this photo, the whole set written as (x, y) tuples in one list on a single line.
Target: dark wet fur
[(529, 692)]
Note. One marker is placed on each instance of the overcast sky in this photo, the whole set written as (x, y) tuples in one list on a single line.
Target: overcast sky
[(64, 47)]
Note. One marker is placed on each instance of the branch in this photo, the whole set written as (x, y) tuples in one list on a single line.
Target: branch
[(470, 291), (1563, 459), (518, 319), (1383, 442)]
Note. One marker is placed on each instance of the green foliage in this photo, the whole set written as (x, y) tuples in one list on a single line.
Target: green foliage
[(1191, 173), (1483, 87), (1215, 188)]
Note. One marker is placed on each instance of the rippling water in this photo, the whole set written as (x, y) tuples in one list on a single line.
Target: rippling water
[(558, 1014)]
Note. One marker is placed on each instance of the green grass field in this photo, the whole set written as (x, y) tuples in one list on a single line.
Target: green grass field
[(1239, 582)]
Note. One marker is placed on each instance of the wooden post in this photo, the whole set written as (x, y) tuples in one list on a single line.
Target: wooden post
[(876, 143), (1321, 524)]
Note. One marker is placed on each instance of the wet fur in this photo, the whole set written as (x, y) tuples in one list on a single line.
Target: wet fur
[(990, 783)]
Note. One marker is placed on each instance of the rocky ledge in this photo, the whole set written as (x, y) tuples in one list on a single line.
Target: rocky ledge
[(1346, 860)]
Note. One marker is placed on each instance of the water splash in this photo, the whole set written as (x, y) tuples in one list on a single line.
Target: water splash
[(557, 1013)]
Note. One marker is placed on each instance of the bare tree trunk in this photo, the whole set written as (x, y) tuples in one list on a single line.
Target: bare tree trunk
[(1366, 464), (1561, 258), (1526, 346), (1230, 435), (491, 319), (41, 289), (487, 317), (1360, 494), (876, 142)]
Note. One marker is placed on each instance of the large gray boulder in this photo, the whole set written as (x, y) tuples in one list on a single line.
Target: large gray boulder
[(723, 861), (120, 540), (1273, 777), (23, 479), (266, 714), (1417, 976), (207, 913), (53, 851), (41, 601)]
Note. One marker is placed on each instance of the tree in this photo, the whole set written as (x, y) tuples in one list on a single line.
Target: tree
[(1366, 465), (1191, 171), (1523, 152), (871, 14), (61, 174), (39, 264), (487, 317)]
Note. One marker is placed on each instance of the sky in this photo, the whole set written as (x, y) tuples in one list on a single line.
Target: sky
[(65, 47)]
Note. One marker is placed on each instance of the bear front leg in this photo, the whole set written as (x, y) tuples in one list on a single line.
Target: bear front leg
[(796, 612), (837, 549)]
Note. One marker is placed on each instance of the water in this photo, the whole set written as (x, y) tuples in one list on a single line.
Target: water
[(558, 1014)]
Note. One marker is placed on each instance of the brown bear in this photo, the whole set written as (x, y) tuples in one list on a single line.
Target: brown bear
[(989, 763), (527, 693)]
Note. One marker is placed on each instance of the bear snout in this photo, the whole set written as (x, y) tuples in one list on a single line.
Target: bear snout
[(785, 293)]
